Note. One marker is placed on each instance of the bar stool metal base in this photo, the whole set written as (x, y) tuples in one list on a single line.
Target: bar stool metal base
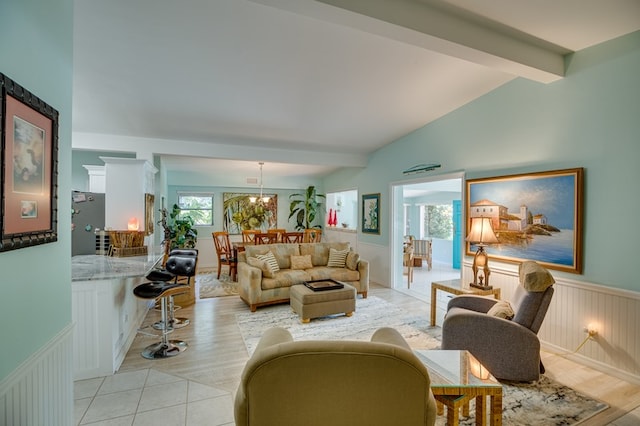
[(164, 350), (174, 324)]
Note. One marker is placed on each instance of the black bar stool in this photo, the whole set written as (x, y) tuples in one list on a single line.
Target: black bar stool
[(163, 290), (165, 275)]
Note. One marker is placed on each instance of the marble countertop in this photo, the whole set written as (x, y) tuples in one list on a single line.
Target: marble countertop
[(96, 267)]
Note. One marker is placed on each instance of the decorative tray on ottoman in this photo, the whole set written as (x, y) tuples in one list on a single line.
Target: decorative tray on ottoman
[(322, 285)]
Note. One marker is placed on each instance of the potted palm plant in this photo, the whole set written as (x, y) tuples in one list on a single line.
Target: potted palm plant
[(305, 207)]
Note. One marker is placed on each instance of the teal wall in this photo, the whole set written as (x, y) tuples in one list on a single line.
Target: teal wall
[(36, 51), (589, 119), (218, 191)]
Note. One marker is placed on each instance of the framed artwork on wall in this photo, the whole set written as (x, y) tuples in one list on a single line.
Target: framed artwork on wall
[(535, 216), (371, 213), (240, 213), (29, 152)]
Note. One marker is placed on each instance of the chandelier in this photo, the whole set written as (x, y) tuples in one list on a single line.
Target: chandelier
[(261, 198)]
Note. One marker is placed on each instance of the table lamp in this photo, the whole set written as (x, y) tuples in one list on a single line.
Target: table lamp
[(481, 233)]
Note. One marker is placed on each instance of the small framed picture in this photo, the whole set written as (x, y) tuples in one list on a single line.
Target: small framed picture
[(371, 213)]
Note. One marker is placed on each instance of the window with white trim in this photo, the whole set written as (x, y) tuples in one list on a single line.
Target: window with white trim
[(198, 205)]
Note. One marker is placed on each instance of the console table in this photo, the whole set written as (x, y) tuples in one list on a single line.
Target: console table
[(456, 287)]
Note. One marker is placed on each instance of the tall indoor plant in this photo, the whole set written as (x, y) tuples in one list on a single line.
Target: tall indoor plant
[(179, 231), (305, 207)]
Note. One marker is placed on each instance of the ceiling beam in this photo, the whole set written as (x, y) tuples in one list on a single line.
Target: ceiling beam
[(442, 28)]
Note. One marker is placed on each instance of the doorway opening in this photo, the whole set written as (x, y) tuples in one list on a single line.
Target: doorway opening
[(426, 209)]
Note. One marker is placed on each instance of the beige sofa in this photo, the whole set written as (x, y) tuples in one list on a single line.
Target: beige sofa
[(258, 287), (334, 382)]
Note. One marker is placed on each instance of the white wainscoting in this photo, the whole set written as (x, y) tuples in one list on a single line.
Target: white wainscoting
[(615, 313), (40, 391), (378, 257), (106, 315)]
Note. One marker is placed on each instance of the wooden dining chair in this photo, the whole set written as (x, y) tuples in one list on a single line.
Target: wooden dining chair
[(278, 232), (225, 253), (312, 235), (266, 238), (249, 235), (292, 237)]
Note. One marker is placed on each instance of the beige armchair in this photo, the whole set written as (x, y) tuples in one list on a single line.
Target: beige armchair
[(334, 382)]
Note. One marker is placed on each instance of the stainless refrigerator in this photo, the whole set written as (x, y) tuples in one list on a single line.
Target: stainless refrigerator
[(87, 216)]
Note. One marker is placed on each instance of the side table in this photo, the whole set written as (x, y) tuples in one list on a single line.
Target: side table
[(457, 378), (456, 287)]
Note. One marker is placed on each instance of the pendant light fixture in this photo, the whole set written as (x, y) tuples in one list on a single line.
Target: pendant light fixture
[(262, 198)]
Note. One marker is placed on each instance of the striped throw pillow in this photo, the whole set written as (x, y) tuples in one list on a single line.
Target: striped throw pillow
[(337, 258), (271, 261)]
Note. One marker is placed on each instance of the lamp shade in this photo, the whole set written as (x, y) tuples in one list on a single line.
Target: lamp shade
[(481, 231)]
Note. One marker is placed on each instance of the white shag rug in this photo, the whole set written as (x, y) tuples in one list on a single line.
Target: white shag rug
[(543, 403)]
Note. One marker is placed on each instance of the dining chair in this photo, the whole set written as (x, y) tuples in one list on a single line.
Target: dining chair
[(249, 235), (312, 235), (278, 232), (292, 237), (266, 238), (225, 253)]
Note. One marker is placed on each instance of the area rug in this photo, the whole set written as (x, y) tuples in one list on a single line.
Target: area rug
[(209, 286), (543, 403)]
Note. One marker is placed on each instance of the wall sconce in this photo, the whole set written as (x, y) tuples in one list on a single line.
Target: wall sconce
[(481, 233), (133, 224)]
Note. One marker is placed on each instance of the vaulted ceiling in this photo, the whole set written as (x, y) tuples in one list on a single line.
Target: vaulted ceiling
[(297, 81)]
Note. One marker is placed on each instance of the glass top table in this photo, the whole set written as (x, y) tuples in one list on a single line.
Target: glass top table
[(456, 378)]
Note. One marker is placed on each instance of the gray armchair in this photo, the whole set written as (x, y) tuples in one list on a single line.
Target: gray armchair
[(509, 348)]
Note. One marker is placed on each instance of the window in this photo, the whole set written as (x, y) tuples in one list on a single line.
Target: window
[(197, 205), (438, 221)]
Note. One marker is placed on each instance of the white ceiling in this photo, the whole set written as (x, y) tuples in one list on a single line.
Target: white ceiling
[(295, 80)]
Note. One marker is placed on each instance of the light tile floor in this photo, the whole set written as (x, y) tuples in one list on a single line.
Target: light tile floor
[(149, 397)]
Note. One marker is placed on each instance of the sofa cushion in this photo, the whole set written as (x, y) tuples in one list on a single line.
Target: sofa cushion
[(338, 274), (352, 260), (320, 251), (281, 251), (285, 278), (337, 258), (301, 262), (262, 265), (272, 263)]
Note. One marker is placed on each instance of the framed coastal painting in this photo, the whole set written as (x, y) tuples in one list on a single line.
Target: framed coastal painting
[(29, 152), (371, 213), (535, 216)]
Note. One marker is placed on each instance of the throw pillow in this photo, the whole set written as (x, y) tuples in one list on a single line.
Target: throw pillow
[(501, 309), (262, 265), (301, 262), (337, 258), (534, 277), (271, 261), (352, 260)]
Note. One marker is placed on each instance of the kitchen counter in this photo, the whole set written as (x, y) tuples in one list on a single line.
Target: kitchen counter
[(95, 267), (105, 311)]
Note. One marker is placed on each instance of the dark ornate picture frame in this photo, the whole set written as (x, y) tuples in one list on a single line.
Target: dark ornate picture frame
[(535, 216), (29, 158)]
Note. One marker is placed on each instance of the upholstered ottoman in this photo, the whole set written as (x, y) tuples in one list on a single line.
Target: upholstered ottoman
[(315, 304)]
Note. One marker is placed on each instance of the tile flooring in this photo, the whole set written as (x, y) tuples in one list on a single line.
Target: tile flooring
[(149, 397)]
